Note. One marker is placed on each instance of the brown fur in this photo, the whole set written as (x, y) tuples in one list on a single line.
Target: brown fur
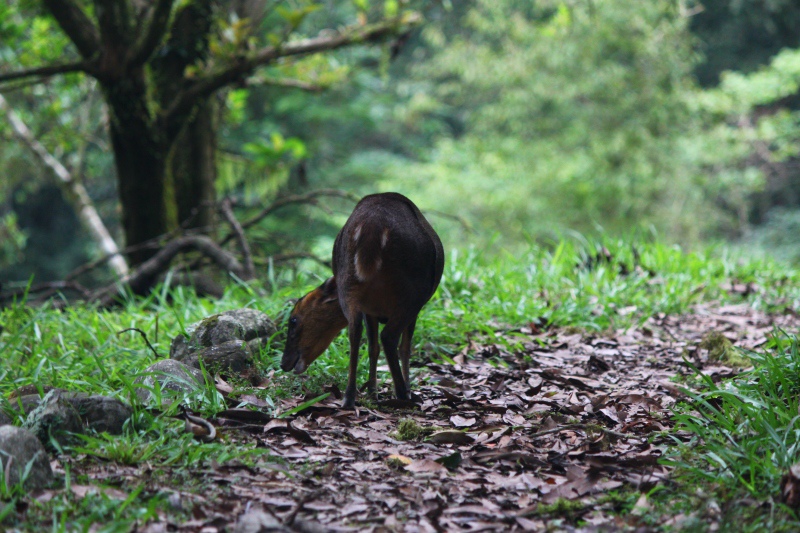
[(319, 320), (387, 263)]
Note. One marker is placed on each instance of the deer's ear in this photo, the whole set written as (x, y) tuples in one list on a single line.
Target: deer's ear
[(329, 293)]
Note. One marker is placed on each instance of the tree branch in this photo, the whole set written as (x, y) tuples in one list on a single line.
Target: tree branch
[(285, 258), (49, 289), (78, 27), (249, 269), (143, 278), (307, 198), (45, 72), (154, 29), (286, 82), (207, 85)]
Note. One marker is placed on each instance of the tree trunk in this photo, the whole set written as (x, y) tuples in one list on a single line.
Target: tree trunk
[(141, 166), (193, 168), (192, 161)]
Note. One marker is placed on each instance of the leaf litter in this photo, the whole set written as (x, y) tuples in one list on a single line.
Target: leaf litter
[(498, 440)]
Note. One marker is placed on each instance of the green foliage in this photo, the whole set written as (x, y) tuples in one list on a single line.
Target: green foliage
[(744, 438), (12, 240), (574, 117), (741, 35)]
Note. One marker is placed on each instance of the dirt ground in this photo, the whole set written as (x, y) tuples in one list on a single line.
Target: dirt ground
[(498, 441)]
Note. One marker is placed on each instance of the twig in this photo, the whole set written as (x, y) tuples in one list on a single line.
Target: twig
[(307, 198), (227, 212), (144, 336), (583, 427), (458, 218), (283, 258), (145, 274), (51, 287), (289, 520)]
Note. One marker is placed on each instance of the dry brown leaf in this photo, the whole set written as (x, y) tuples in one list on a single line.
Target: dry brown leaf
[(450, 437), (425, 465)]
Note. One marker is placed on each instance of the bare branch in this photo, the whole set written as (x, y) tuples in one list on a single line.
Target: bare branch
[(46, 72), (78, 27), (241, 67), (144, 336), (48, 289), (154, 29), (286, 82), (145, 275), (249, 270), (457, 218), (284, 258), (307, 198)]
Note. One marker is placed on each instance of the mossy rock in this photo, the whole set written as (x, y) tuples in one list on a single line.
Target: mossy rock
[(172, 377), (18, 448), (721, 350)]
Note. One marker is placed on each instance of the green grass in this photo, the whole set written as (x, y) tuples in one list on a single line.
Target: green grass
[(81, 349), (745, 436)]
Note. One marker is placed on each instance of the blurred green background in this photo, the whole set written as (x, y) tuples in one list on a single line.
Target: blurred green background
[(506, 121)]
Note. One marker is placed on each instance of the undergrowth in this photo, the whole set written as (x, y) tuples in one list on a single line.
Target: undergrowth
[(747, 430), (744, 434)]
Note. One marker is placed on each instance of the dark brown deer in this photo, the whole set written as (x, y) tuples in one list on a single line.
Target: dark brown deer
[(387, 263)]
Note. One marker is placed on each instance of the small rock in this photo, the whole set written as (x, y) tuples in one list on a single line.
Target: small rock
[(18, 447), (229, 357), (21, 406), (4, 419), (172, 376), (179, 349), (102, 413), (54, 417), (238, 324), (258, 522)]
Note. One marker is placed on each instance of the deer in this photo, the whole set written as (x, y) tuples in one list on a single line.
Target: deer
[(387, 263)]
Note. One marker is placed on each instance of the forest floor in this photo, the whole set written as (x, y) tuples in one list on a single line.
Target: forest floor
[(566, 432)]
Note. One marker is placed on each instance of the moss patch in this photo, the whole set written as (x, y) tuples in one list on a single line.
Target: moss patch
[(722, 350)]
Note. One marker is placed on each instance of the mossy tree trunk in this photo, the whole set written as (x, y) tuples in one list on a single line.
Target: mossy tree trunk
[(150, 59)]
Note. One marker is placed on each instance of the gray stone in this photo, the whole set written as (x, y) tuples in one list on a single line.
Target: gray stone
[(229, 357), (258, 522), (238, 324), (179, 349), (4, 419), (172, 376), (102, 413), (21, 406), (18, 447), (54, 417)]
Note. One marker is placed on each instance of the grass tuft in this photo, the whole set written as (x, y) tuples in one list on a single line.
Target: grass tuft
[(745, 434)]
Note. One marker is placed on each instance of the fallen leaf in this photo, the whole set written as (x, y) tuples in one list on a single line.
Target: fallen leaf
[(450, 437), (461, 422), (451, 462), (790, 487), (425, 465), (400, 458)]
